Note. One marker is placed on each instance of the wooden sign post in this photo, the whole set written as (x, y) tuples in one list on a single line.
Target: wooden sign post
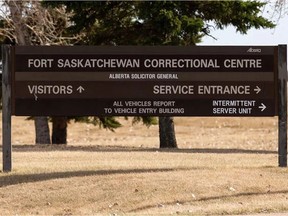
[(7, 58)]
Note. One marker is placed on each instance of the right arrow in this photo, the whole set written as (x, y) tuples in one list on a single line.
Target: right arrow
[(257, 89), (262, 107)]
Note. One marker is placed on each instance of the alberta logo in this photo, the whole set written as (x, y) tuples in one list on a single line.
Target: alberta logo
[(254, 50)]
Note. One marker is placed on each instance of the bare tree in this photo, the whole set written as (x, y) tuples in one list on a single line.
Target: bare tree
[(276, 9), (280, 6), (29, 23)]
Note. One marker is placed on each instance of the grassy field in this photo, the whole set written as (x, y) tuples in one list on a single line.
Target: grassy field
[(223, 166)]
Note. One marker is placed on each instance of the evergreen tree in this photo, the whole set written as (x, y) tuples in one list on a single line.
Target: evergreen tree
[(161, 23), (156, 23)]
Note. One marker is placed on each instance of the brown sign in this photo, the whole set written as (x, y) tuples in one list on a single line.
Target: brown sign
[(154, 81)]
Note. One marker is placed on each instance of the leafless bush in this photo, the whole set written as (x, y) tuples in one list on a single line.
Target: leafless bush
[(38, 25)]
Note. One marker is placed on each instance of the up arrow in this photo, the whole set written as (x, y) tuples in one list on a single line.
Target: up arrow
[(262, 107), (80, 89), (257, 89)]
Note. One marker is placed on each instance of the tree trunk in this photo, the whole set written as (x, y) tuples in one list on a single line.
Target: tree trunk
[(59, 131), (23, 38), (21, 30), (167, 132), (42, 130)]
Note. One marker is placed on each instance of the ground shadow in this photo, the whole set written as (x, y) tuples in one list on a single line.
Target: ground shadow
[(97, 148), (190, 201), (11, 179)]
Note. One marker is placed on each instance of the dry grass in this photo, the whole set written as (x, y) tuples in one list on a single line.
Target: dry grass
[(224, 166)]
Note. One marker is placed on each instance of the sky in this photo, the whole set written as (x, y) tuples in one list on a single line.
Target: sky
[(228, 36), (265, 37)]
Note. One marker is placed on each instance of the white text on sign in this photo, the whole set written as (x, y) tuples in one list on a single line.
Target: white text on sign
[(201, 90)]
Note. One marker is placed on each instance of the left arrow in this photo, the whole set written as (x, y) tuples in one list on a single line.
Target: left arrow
[(80, 89)]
